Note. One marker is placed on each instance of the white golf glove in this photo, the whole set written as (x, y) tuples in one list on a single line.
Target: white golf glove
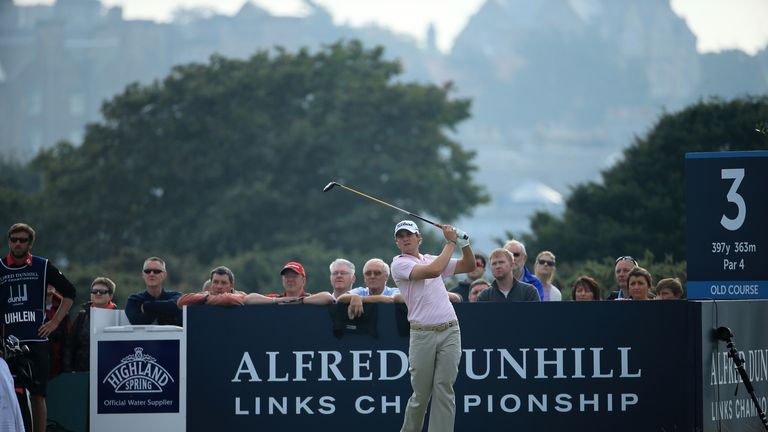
[(462, 238)]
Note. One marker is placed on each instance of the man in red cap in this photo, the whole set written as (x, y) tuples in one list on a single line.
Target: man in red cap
[(294, 280)]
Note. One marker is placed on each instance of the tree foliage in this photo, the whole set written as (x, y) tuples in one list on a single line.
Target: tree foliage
[(640, 204), (229, 158), (17, 184)]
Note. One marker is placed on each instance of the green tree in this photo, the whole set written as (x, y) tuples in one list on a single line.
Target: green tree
[(231, 157), (17, 185), (640, 204)]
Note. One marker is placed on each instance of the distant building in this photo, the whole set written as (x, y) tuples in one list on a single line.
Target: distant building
[(557, 90), (58, 64)]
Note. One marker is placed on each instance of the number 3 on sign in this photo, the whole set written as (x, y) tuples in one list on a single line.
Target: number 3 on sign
[(737, 174)]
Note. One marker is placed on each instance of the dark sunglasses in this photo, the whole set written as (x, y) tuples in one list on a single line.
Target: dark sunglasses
[(546, 262), (155, 271), (626, 258), (373, 273), (100, 291), (516, 254), (21, 240)]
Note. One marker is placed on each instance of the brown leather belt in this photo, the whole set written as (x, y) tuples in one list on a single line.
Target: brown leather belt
[(435, 327)]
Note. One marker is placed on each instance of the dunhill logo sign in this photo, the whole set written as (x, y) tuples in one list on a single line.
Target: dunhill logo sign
[(21, 294)]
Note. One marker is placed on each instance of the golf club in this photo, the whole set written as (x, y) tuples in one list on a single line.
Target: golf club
[(330, 186)]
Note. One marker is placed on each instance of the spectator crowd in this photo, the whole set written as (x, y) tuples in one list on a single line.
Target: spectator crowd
[(31, 283)]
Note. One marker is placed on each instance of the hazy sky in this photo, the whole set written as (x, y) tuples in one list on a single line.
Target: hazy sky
[(718, 24)]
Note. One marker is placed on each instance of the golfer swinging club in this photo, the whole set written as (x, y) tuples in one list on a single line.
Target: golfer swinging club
[(434, 349)]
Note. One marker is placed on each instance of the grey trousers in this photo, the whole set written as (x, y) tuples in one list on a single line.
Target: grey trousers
[(434, 364)]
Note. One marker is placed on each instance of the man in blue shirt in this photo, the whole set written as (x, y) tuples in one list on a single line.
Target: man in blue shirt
[(375, 274), (521, 272), (155, 305)]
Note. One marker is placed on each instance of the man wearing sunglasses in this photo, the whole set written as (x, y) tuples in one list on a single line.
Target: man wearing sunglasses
[(375, 274), (77, 351), (520, 271), (155, 305), (24, 280)]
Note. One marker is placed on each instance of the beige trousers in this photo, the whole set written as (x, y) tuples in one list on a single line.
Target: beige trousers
[(434, 364)]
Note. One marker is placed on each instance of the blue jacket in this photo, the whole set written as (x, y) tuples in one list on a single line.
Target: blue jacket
[(161, 310), (530, 278)]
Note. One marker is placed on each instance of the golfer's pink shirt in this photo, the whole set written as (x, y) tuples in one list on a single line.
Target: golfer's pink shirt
[(427, 299)]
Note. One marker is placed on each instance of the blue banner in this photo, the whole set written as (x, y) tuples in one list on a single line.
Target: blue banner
[(582, 366), (726, 404), (138, 376), (727, 243), (731, 290)]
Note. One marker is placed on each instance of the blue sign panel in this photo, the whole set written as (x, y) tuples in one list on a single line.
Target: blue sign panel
[(727, 239), (726, 403), (590, 366), (138, 376)]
